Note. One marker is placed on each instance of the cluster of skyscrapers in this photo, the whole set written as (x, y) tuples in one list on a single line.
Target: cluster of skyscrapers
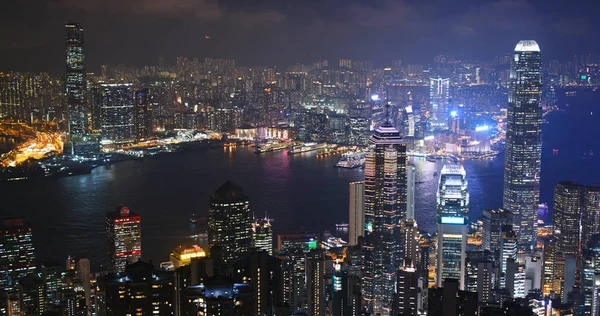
[(500, 263)]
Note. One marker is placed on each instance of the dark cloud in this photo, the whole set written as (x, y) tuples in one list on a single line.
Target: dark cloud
[(176, 8), (282, 32)]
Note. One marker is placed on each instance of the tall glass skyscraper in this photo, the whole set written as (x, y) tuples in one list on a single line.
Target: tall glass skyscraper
[(452, 219), (522, 161), (75, 84), (439, 94), (385, 206), (229, 221)]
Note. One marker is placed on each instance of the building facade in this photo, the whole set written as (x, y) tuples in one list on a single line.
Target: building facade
[(356, 222), (522, 161), (124, 231), (229, 221), (385, 206), (452, 218), (116, 104), (75, 82)]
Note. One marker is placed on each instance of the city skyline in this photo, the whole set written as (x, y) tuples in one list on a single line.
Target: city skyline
[(429, 168)]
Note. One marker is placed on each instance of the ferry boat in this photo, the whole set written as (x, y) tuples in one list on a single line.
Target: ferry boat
[(351, 160), (306, 147)]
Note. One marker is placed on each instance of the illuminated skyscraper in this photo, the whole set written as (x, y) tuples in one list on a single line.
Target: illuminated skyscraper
[(522, 161), (493, 221), (566, 217), (124, 231), (385, 206), (262, 235), (229, 221), (116, 112), (75, 83), (575, 217), (452, 219), (439, 95), (17, 257), (356, 222), (144, 100)]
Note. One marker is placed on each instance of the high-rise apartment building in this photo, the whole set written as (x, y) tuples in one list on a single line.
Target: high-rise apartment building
[(116, 104), (75, 82), (479, 276), (229, 221), (315, 282), (17, 258), (522, 161), (356, 222), (262, 235), (452, 218), (385, 206), (124, 231)]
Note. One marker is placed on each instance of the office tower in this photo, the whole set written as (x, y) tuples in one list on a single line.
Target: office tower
[(408, 291), (533, 273), (262, 235), (452, 218), (515, 278), (116, 104), (385, 206), (17, 258), (522, 161), (493, 221), (409, 122), (124, 231), (263, 273), (590, 216), (52, 278), (83, 274), (590, 276), (548, 265), (410, 191), (356, 223), (347, 297), (75, 82), (508, 251), (138, 290), (359, 115), (302, 241), (412, 251), (229, 221), (480, 274), (293, 267), (143, 114), (449, 300), (183, 255), (439, 95), (315, 282), (566, 217), (31, 292)]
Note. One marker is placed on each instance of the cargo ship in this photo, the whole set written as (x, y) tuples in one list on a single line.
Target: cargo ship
[(351, 160), (306, 147)]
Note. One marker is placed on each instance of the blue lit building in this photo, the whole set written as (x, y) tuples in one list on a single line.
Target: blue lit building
[(452, 218)]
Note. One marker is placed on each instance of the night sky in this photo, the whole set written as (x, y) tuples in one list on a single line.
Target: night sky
[(283, 32)]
